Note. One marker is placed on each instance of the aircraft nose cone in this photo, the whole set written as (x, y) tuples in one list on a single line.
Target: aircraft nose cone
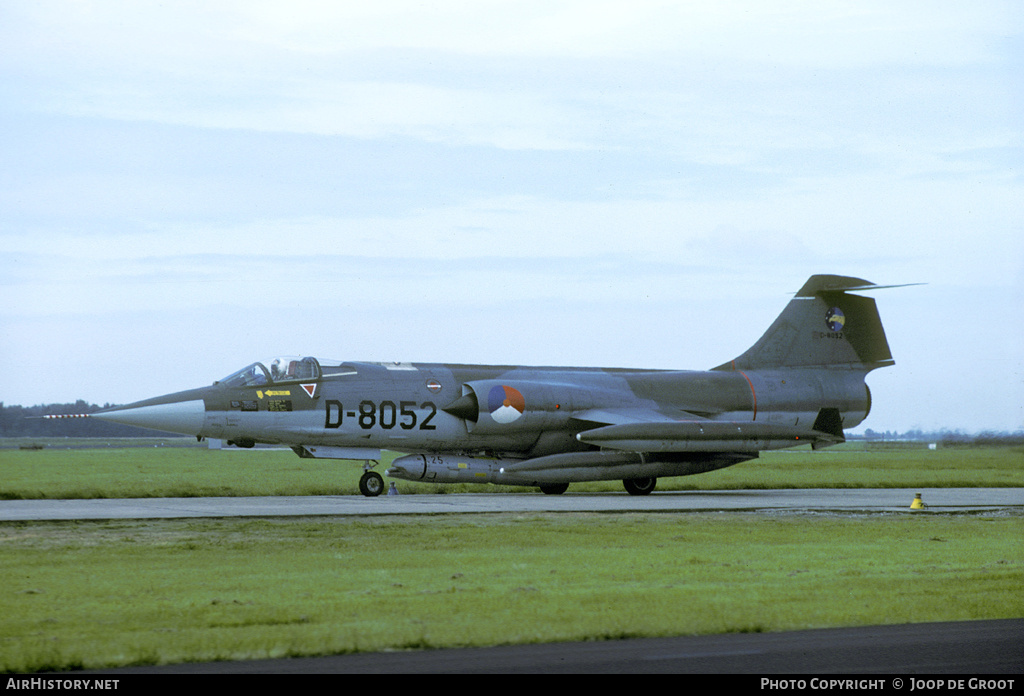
[(185, 417)]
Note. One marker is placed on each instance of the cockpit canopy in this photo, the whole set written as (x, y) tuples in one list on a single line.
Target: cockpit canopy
[(276, 370)]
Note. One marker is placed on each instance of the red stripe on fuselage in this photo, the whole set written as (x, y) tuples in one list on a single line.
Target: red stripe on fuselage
[(752, 392)]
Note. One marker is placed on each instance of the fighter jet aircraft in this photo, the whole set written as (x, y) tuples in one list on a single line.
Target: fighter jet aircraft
[(803, 382)]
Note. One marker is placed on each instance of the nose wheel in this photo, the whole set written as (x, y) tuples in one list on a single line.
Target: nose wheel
[(371, 484)]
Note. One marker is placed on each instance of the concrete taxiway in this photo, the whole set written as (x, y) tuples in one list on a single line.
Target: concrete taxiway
[(956, 500), (963, 648)]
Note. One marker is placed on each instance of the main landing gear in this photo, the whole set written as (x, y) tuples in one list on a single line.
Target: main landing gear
[(636, 486), (371, 484), (554, 488), (640, 486)]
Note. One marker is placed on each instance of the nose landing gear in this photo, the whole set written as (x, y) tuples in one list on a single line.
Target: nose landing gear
[(371, 484)]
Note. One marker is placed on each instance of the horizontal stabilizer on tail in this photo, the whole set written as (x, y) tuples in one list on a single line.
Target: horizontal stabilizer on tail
[(833, 283)]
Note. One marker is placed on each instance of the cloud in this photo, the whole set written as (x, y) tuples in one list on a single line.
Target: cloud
[(608, 183), (507, 74)]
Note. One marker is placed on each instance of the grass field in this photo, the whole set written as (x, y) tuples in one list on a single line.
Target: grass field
[(126, 472), (95, 594)]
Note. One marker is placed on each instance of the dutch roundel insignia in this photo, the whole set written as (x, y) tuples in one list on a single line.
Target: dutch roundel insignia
[(506, 404)]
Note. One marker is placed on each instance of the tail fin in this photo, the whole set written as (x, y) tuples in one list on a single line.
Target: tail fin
[(822, 326)]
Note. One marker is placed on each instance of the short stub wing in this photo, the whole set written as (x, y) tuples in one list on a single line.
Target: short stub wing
[(623, 416)]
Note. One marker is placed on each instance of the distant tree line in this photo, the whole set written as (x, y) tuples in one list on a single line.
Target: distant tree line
[(949, 438), (27, 421)]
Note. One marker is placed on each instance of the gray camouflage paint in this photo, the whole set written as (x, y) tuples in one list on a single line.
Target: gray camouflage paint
[(802, 382)]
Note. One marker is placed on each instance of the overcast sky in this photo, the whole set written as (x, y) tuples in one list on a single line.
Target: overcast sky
[(189, 187)]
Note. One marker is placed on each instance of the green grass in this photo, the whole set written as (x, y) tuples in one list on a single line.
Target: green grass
[(121, 472), (97, 594), (849, 467)]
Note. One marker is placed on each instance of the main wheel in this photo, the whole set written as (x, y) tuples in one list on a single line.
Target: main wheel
[(371, 484), (554, 488), (640, 486)]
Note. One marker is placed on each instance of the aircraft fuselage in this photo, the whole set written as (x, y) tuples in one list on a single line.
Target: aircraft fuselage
[(803, 382)]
